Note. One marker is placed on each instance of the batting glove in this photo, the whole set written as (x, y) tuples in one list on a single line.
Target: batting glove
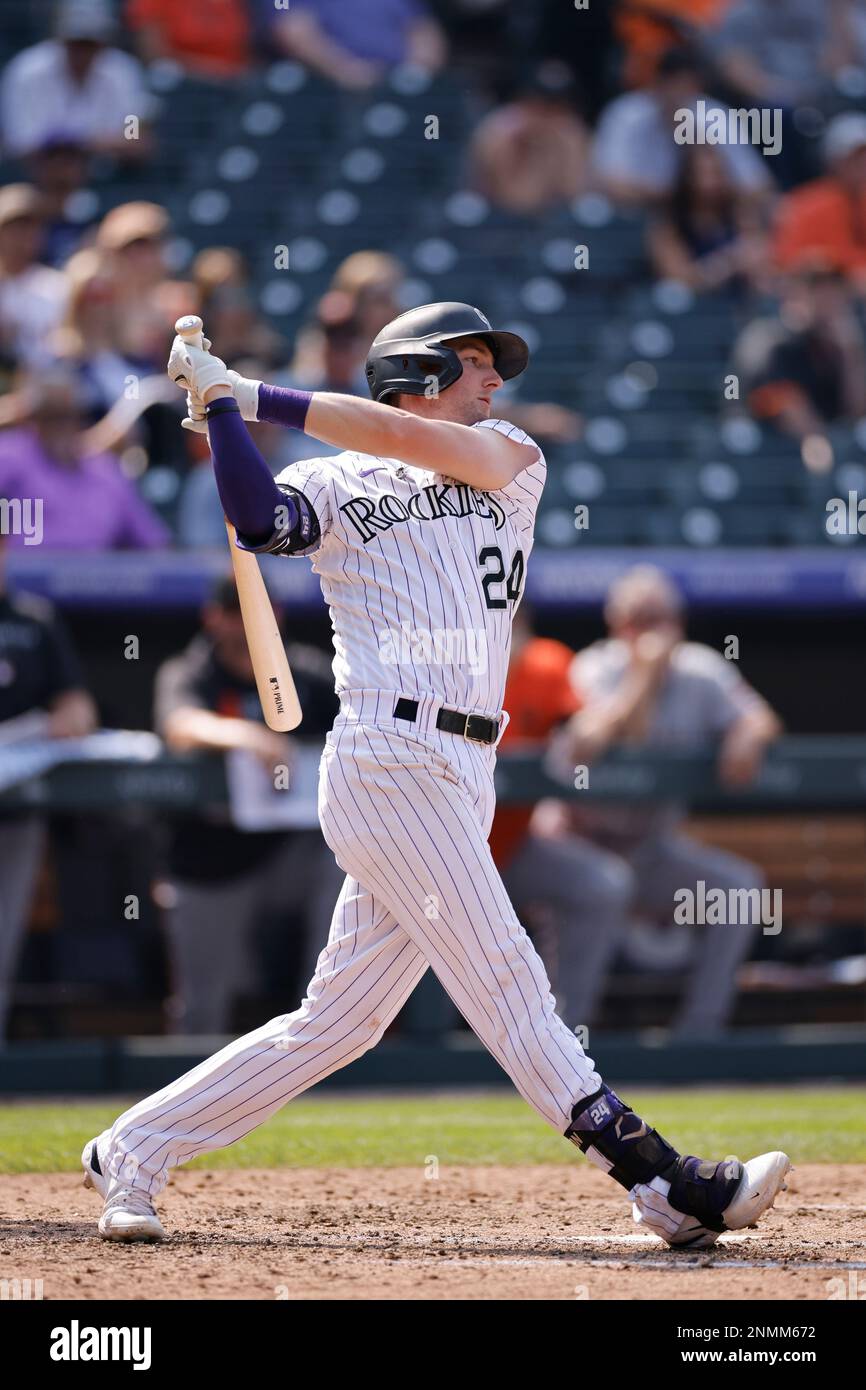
[(195, 418), (246, 393), (196, 370)]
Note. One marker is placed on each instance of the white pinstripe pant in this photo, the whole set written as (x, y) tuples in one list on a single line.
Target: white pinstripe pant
[(407, 819)]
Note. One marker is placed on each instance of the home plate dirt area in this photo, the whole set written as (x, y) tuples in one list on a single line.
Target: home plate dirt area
[(548, 1232)]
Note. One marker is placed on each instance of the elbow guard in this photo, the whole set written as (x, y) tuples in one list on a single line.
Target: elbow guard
[(296, 527)]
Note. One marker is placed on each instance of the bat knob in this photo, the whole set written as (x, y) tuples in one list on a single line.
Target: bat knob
[(188, 326)]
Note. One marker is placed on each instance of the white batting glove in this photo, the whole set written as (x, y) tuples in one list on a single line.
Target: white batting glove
[(195, 418), (196, 370), (246, 392)]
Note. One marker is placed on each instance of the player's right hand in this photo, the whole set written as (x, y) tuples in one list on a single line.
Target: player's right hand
[(194, 369)]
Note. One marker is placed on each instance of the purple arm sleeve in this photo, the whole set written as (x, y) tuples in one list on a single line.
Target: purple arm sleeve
[(247, 490), (280, 405)]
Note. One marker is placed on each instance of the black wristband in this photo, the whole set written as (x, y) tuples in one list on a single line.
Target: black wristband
[(224, 405)]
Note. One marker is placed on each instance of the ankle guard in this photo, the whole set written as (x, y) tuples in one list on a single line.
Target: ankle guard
[(704, 1189), (618, 1141)]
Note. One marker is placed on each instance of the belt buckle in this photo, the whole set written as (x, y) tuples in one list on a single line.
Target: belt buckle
[(466, 733)]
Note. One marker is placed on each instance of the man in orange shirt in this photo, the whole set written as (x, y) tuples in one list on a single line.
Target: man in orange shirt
[(828, 215), (212, 39), (574, 893)]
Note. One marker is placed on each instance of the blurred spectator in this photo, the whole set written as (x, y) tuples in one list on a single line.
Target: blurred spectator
[(41, 695), (779, 55), (227, 306), (58, 170), (848, 35), (147, 303), (635, 158), (806, 368), (373, 280), (571, 893), (707, 234), (83, 500), (32, 295), (334, 351), (650, 28), (582, 38), (221, 879), (828, 215), (87, 339), (775, 52), (77, 84), (646, 686), (209, 40), (531, 154), (355, 45)]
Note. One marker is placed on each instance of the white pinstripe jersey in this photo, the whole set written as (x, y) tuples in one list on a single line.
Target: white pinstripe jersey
[(421, 574)]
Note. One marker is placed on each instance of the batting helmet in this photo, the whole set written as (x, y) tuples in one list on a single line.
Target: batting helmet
[(418, 345)]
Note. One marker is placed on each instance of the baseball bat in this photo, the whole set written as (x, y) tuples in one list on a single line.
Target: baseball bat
[(279, 699)]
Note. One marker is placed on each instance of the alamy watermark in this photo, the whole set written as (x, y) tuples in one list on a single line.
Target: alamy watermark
[(729, 907), (439, 646), (22, 516), (727, 125)]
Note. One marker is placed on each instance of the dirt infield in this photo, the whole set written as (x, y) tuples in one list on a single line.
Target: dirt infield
[(541, 1232)]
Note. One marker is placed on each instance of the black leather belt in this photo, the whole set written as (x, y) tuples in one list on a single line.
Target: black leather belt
[(476, 727)]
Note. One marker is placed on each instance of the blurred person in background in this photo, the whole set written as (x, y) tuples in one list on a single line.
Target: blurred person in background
[(87, 340), (334, 352), (572, 894), (531, 154), (76, 82), (708, 234), (635, 158), (132, 239), (805, 368), (775, 52), (646, 686), (59, 170), (85, 501), (211, 40), (373, 280), (827, 216), (585, 40), (32, 294), (221, 879), (649, 28), (355, 45), (227, 305), (41, 693), (779, 54)]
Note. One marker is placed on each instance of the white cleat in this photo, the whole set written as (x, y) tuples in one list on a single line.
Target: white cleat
[(127, 1214), (763, 1178), (762, 1181)]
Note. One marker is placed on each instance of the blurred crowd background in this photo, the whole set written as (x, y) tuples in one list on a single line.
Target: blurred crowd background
[(298, 175)]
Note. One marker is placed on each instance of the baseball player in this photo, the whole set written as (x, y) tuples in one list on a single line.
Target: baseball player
[(420, 531)]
